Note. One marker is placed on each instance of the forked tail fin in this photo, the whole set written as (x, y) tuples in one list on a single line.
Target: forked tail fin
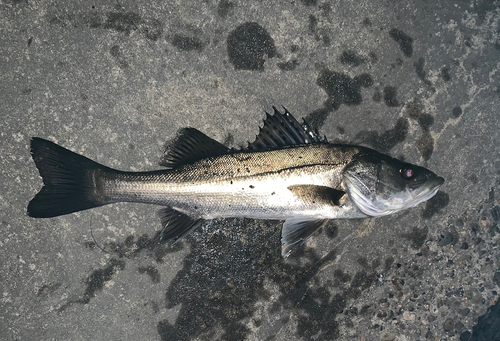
[(67, 178)]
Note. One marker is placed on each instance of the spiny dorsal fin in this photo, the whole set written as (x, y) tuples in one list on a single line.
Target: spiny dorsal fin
[(281, 130), (189, 146)]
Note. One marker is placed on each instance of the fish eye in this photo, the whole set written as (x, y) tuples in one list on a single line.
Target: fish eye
[(407, 172)]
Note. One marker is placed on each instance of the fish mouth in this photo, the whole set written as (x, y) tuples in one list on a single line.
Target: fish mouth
[(427, 190), (374, 206)]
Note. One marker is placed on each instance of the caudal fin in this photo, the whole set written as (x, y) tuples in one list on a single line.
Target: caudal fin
[(67, 178)]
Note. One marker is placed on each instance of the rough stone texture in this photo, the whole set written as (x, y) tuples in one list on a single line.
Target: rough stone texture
[(114, 80)]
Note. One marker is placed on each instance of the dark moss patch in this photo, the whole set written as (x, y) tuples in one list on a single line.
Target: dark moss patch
[(47, 289), (445, 74), (390, 99), (419, 69), (313, 23), (317, 118), (456, 112), (187, 43), (289, 65), (417, 237), (486, 327), (247, 45), (415, 112), (309, 2), (224, 8), (388, 139), (225, 275), (115, 51), (332, 231), (126, 22), (341, 88), (405, 42), (435, 204), (377, 96), (425, 145), (351, 58), (152, 272), (96, 281)]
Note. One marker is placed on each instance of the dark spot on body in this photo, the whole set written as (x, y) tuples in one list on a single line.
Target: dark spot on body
[(390, 96), (445, 74), (273, 193), (456, 112), (224, 8), (288, 66), (187, 43), (388, 139), (152, 272), (30, 40), (405, 42), (341, 88), (435, 204), (231, 182), (247, 45), (351, 58), (251, 186), (425, 145), (417, 237)]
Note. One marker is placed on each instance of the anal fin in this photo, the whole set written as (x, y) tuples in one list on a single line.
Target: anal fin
[(176, 225), (296, 231)]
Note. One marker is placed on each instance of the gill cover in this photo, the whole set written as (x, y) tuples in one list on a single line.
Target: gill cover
[(380, 185)]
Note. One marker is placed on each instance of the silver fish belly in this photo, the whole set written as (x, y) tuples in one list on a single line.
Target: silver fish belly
[(289, 172)]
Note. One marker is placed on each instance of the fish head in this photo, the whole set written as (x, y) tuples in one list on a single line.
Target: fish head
[(380, 185)]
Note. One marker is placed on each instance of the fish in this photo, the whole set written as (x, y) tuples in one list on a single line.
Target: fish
[(290, 172)]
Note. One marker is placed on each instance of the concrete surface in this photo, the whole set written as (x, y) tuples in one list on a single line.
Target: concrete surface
[(114, 80)]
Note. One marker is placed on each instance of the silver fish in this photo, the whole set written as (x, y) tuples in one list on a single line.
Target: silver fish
[(289, 172)]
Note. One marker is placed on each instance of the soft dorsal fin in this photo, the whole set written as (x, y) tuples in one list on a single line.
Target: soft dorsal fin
[(281, 130), (189, 146)]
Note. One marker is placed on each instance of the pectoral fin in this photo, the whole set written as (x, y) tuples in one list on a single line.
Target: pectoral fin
[(296, 231), (176, 225), (317, 194)]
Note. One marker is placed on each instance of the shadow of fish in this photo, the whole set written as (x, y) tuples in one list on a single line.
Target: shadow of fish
[(289, 172)]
